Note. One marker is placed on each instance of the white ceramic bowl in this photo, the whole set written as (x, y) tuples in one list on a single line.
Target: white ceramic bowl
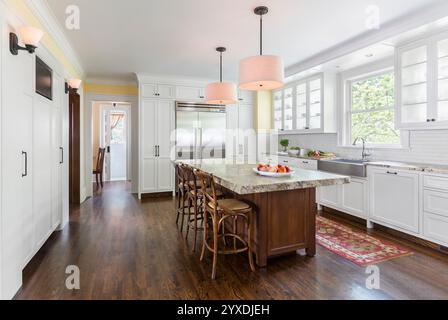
[(273, 174)]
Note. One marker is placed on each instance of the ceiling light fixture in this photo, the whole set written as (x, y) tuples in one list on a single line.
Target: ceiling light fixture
[(220, 92), (30, 36), (262, 72)]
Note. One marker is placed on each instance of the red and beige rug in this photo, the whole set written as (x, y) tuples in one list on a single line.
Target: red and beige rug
[(357, 247)]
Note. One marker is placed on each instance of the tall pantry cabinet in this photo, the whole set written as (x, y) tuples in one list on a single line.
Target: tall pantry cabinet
[(32, 158)]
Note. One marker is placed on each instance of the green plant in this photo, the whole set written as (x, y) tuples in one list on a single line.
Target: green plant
[(294, 148), (284, 143)]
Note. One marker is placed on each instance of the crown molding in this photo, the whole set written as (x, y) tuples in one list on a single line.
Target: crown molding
[(387, 30), (45, 15)]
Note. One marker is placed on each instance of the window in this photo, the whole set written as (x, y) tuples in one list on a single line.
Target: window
[(371, 110)]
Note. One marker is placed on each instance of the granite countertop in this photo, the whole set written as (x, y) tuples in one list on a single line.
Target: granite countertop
[(241, 179), (425, 167), (289, 155)]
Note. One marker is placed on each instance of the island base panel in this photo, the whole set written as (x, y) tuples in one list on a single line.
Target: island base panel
[(285, 221)]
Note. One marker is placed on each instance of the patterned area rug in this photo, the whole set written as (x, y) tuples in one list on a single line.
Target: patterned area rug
[(357, 247)]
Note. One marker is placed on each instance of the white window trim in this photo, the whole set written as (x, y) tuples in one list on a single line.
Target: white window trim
[(365, 72)]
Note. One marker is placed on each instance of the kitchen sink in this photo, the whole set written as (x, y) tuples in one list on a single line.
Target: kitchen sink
[(348, 167)]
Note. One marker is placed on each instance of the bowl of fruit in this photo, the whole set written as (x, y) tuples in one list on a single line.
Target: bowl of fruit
[(273, 171)]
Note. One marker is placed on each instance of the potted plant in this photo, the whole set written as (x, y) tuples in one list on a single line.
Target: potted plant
[(294, 151), (284, 143)]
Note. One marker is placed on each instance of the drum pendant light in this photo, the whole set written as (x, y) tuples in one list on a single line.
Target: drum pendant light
[(262, 72), (220, 92)]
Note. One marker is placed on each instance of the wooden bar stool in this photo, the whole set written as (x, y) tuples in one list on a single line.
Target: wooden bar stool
[(195, 199), (183, 207), (219, 211)]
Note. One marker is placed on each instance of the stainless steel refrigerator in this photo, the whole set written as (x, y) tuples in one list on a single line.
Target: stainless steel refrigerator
[(200, 131)]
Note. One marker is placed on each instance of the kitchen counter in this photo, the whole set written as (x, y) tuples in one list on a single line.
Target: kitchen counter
[(424, 167), (282, 154), (241, 179), (431, 168), (284, 208)]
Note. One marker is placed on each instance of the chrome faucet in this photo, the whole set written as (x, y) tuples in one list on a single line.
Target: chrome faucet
[(364, 153)]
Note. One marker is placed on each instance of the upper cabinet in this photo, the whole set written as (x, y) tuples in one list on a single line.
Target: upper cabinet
[(306, 106), (149, 90), (422, 83)]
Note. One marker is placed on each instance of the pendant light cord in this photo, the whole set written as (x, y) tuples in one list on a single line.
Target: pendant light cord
[(220, 67), (261, 35)]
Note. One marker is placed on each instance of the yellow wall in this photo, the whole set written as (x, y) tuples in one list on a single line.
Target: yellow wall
[(111, 89), (263, 114), (21, 9)]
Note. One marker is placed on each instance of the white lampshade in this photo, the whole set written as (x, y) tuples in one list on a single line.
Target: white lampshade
[(261, 73), (221, 93), (74, 83), (30, 35)]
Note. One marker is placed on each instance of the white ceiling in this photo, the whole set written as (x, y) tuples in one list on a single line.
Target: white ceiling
[(178, 37)]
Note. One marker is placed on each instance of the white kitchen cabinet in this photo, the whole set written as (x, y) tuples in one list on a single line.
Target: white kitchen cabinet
[(190, 93), (422, 83), (156, 125), (435, 228), (354, 197), (330, 196), (162, 91), (306, 106), (394, 198), (31, 186), (240, 135), (435, 208), (246, 97), (351, 198)]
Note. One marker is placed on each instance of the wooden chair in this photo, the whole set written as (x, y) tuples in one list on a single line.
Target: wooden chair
[(98, 172), (219, 211)]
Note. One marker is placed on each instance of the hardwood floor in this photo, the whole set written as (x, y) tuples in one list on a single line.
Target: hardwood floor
[(127, 249)]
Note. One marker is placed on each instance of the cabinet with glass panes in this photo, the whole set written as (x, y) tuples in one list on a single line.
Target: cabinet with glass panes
[(422, 83), (303, 107)]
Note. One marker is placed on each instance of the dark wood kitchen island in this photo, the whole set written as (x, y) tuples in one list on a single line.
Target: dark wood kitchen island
[(285, 208)]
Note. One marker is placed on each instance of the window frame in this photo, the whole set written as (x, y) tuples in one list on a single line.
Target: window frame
[(347, 110)]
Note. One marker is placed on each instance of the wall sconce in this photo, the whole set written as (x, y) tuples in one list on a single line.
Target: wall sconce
[(72, 85), (30, 36)]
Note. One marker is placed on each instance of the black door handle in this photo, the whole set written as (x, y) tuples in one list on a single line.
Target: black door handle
[(62, 155), (108, 149), (26, 164)]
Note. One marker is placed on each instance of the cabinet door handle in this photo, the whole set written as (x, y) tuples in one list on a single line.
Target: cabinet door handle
[(433, 119), (157, 151), (62, 155), (25, 155), (390, 172), (305, 162), (286, 161), (428, 120)]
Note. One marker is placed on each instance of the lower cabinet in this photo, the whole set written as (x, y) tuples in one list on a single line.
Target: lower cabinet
[(435, 208), (351, 198), (394, 198)]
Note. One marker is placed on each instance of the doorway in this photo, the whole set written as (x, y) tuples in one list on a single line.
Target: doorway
[(111, 130)]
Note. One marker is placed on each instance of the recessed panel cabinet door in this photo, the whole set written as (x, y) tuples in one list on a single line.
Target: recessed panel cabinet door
[(394, 198), (165, 141), (148, 145), (42, 157)]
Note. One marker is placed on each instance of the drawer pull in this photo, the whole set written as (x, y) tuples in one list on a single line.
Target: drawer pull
[(390, 172), (305, 162)]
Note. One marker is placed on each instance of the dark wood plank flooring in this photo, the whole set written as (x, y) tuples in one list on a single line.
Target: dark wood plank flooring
[(127, 249)]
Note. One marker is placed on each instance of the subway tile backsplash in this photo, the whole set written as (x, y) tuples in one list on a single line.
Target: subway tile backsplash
[(429, 146)]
